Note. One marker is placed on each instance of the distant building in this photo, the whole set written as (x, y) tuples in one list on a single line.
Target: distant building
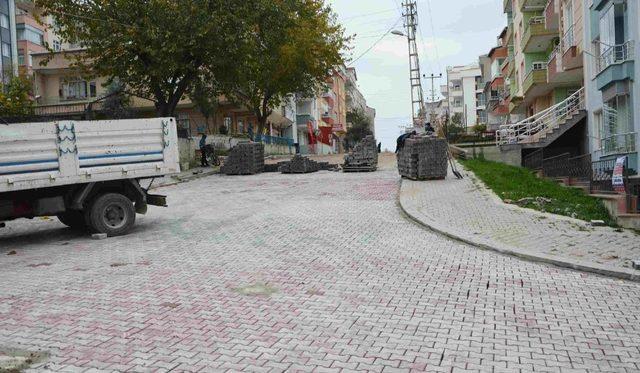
[(495, 91), (8, 41), (464, 93), (356, 100)]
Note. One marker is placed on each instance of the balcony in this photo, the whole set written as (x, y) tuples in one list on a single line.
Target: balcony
[(304, 119), (536, 37), (552, 15), (328, 117), (535, 77), (330, 97), (571, 58), (532, 5), (616, 63), (623, 143)]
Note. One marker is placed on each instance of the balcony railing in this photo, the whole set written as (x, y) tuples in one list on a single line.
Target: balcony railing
[(616, 54), (622, 143), (537, 75), (568, 40)]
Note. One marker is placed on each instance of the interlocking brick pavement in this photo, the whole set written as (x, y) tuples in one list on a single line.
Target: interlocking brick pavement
[(466, 209), (315, 272)]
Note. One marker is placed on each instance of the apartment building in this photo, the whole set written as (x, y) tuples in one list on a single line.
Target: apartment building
[(495, 89), (545, 48), (31, 35), (611, 76), (464, 93), (356, 100), (8, 41)]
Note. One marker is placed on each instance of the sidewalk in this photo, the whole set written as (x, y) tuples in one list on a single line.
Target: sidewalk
[(466, 210)]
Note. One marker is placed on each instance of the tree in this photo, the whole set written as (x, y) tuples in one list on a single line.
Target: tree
[(293, 46), (206, 98), (454, 129), (15, 98), (479, 129), (116, 103), (360, 126), (156, 48)]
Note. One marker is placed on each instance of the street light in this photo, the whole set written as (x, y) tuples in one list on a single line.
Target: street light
[(398, 33)]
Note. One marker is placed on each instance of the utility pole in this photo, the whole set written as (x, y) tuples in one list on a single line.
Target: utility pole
[(433, 93), (417, 94)]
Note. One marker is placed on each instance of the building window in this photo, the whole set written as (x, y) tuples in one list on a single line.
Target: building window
[(6, 50), (4, 21), (183, 121), (57, 46), (77, 89), (29, 34), (20, 57)]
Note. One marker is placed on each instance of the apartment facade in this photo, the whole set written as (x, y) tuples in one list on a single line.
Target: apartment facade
[(495, 89), (355, 99), (31, 35), (8, 41), (611, 75), (545, 53), (464, 93)]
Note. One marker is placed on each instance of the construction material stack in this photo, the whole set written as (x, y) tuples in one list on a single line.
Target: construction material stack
[(363, 158), (244, 159), (299, 165), (423, 158)]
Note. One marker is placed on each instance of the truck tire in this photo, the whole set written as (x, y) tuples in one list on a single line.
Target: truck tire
[(112, 213), (73, 219)]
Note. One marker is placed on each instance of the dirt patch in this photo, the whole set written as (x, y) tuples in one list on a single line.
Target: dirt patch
[(12, 252), (15, 360)]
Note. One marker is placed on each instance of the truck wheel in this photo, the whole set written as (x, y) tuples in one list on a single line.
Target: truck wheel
[(112, 213), (73, 219)]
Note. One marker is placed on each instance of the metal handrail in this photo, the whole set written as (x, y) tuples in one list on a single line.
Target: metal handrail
[(616, 54), (543, 122), (568, 39)]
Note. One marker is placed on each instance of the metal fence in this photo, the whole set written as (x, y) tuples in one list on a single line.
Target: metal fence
[(602, 174)]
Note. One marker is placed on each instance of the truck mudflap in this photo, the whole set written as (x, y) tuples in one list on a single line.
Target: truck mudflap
[(157, 200)]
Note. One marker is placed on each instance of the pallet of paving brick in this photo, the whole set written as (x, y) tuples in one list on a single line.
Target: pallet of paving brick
[(363, 158), (423, 158), (244, 159), (299, 165)]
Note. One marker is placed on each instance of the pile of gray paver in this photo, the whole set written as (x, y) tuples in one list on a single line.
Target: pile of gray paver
[(244, 159), (299, 165), (364, 156), (424, 158), (303, 165)]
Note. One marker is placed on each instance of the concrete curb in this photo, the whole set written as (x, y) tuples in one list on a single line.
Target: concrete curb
[(512, 251)]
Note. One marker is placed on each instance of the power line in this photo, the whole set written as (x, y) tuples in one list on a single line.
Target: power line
[(376, 43), (368, 14)]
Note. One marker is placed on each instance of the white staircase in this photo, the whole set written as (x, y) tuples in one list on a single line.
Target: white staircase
[(538, 127)]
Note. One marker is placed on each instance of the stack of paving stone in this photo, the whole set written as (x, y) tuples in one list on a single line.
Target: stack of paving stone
[(299, 165), (244, 159), (364, 156), (424, 158)]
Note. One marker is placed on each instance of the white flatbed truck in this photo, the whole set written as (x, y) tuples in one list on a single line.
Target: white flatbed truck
[(87, 173)]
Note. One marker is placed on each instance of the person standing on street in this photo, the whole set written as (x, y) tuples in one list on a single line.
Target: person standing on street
[(203, 150)]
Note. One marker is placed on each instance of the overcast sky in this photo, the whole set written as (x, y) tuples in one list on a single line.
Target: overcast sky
[(461, 31)]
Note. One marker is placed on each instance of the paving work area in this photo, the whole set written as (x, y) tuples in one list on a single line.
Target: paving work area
[(319, 271), (466, 209)]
